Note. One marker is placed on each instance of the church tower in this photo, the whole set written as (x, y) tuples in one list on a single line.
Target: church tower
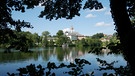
[(71, 29)]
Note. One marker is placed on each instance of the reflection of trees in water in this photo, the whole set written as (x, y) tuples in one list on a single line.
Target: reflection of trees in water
[(68, 54), (71, 53), (45, 53), (76, 67), (17, 56)]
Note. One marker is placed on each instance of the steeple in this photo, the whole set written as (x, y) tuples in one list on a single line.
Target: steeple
[(71, 29)]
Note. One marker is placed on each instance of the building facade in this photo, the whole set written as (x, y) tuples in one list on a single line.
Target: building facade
[(73, 35)]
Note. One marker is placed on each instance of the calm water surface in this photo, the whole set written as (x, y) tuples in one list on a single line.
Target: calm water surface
[(10, 62)]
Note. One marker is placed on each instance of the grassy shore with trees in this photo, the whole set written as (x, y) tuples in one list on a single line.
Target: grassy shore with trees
[(25, 40)]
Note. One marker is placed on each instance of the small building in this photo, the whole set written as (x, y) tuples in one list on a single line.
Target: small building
[(73, 35), (106, 38)]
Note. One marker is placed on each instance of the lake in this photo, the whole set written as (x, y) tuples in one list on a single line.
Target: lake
[(10, 62)]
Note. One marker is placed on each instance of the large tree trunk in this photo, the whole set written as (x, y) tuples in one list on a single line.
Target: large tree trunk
[(125, 30)]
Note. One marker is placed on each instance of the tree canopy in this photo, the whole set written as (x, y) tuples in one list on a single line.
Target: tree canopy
[(122, 13)]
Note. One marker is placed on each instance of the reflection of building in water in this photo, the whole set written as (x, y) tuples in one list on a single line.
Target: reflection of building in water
[(72, 55), (106, 50), (69, 57), (67, 54), (72, 34)]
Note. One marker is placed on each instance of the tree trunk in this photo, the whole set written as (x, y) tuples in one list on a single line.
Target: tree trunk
[(125, 30)]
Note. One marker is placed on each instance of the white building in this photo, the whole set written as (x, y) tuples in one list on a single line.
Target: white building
[(72, 34)]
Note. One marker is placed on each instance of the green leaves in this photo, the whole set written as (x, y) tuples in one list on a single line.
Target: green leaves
[(77, 67), (31, 70), (74, 69), (80, 62), (118, 71), (19, 24), (51, 65), (61, 9), (66, 8), (91, 4)]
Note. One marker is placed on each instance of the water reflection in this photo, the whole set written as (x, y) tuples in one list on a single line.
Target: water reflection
[(17, 57), (67, 54), (56, 54), (62, 54)]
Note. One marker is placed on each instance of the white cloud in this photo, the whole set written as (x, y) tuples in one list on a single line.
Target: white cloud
[(103, 24), (66, 30), (90, 16)]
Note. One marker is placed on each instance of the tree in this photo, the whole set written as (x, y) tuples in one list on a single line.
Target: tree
[(45, 35), (60, 33), (122, 11), (7, 23), (98, 35), (36, 38), (81, 42), (61, 38), (51, 42)]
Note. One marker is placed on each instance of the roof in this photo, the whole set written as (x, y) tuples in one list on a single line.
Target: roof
[(73, 34)]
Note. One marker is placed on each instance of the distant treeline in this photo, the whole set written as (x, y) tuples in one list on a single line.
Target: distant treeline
[(23, 40)]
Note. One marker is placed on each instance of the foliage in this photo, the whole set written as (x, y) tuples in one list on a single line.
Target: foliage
[(127, 38), (45, 33), (118, 71), (61, 38), (31, 40), (95, 44), (59, 33), (51, 43), (7, 23), (52, 9), (36, 39), (22, 40), (30, 70), (68, 9), (114, 44), (60, 8), (81, 43), (75, 68), (98, 35), (45, 41)]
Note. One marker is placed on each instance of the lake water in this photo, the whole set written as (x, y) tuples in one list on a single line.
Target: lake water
[(10, 62)]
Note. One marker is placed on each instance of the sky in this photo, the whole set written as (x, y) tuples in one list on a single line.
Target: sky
[(88, 23)]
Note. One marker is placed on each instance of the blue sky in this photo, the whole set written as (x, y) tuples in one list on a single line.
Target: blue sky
[(89, 23)]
